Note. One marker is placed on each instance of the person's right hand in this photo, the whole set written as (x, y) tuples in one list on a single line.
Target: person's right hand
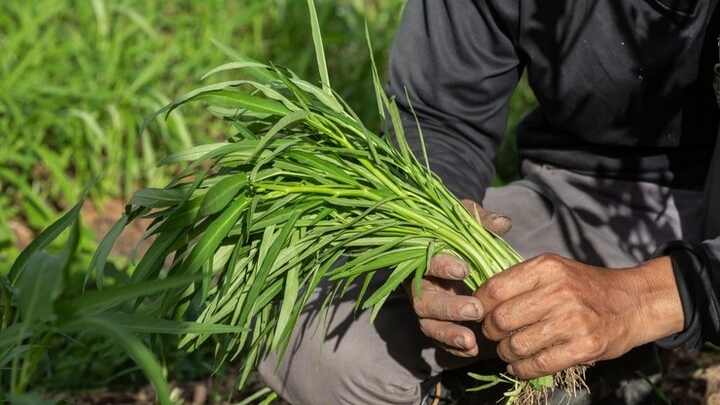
[(445, 301), (550, 313)]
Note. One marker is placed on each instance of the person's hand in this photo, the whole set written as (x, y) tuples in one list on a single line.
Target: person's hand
[(550, 313), (445, 301)]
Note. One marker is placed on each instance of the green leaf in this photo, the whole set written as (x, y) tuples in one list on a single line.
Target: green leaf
[(271, 245), (213, 236), (489, 380), (13, 334), (328, 99), (240, 100), (98, 301), (140, 353), (291, 289), (39, 286), (99, 259), (181, 216), (269, 395), (195, 153), (258, 70), (158, 197), (542, 382), (401, 273), (222, 193), (14, 353), (279, 126), (319, 51), (152, 261), (44, 239), (146, 324)]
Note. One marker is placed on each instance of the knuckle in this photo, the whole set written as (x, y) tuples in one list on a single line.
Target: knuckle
[(550, 262), (429, 330), (501, 352), (501, 320), (447, 266), (565, 292), (486, 330), (542, 364), (518, 346), (494, 288), (594, 346), (551, 258)]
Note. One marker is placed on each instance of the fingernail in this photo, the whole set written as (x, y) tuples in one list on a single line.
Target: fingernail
[(470, 311), (460, 343), (510, 369), (458, 270)]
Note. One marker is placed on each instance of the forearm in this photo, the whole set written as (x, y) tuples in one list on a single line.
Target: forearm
[(452, 70)]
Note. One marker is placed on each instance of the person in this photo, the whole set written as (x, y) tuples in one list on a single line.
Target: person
[(608, 210)]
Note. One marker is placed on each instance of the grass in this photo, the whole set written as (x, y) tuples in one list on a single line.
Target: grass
[(78, 78)]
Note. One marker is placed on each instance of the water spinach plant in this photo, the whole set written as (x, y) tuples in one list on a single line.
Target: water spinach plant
[(300, 191)]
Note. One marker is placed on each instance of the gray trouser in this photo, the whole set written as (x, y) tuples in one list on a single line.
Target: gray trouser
[(601, 222)]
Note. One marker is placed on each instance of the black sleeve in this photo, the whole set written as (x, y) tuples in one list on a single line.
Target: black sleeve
[(458, 65), (697, 272)]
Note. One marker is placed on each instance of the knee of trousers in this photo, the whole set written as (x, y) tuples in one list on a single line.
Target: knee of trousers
[(310, 374)]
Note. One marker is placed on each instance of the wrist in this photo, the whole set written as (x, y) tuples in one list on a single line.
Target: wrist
[(660, 310)]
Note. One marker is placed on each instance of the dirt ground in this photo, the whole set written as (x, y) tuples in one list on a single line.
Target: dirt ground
[(689, 378)]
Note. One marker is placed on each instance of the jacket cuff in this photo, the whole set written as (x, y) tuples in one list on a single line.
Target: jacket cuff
[(691, 269)]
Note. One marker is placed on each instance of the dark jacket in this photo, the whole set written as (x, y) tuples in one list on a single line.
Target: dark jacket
[(624, 88)]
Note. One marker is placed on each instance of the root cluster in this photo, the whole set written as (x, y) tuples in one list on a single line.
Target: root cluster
[(571, 381)]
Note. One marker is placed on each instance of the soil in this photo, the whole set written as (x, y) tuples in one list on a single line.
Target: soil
[(689, 377), (692, 377)]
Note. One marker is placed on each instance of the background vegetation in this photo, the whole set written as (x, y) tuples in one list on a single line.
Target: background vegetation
[(77, 79)]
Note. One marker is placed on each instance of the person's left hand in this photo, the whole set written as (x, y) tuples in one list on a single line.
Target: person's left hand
[(445, 305), (550, 313)]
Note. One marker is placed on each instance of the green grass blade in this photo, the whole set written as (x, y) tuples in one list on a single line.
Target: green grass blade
[(197, 153), (222, 193), (98, 301), (413, 259), (271, 246), (13, 334), (39, 286), (290, 293), (152, 325), (140, 353), (102, 252), (180, 216), (213, 236), (249, 65), (319, 48), (43, 240), (158, 197), (240, 100), (153, 260)]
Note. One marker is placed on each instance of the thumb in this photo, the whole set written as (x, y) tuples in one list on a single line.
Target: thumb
[(496, 223)]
